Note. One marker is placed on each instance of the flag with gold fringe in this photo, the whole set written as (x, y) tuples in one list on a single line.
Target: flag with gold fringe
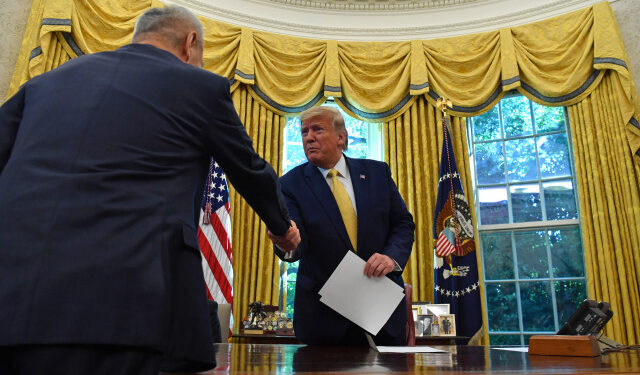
[(456, 270)]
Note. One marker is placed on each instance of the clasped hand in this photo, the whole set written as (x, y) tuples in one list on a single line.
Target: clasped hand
[(288, 241)]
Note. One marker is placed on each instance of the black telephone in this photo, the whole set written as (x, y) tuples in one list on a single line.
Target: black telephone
[(589, 319)]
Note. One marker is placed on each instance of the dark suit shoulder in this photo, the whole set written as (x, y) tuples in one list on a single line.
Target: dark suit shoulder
[(368, 163), (294, 175)]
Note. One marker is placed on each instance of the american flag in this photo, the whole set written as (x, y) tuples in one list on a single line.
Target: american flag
[(214, 237)]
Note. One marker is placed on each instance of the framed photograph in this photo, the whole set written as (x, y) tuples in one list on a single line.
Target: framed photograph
[(415, 310), (419, 306), (434, 309), (419, 327), (425, 324), (447, 325), (435, 329)]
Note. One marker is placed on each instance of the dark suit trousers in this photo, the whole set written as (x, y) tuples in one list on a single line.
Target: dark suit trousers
[(78, 360)]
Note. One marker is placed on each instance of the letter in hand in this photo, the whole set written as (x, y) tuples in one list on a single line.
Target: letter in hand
[(288, 241), (379, 265)]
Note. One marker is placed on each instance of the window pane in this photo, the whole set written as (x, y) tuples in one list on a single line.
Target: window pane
[(559, 200), (489, 163), (504, 340), (554, 155), (358, 132), (566, 253), (569, 294), (487, 126), (537, 311), (548, 119), (496, 248), (292, 131), (531, 249), (502, 306), (493, 205), (291, 277), (516, 116), (526, 339), (295, 156), (525, 203), (521, 160)]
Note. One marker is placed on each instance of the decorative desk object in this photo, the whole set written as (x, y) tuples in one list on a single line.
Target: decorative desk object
[(266, 319)]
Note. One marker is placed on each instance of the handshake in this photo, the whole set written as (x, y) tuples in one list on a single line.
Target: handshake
[(288, 241)]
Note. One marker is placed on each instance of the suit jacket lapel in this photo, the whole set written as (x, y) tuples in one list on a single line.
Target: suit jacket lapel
[(360, 184), (322, 192)]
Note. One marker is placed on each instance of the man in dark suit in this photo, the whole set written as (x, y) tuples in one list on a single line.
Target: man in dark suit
[(102, 166), (340, 204)]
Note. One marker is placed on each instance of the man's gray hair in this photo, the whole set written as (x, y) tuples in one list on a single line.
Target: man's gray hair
[(171, 23), (336, 119)]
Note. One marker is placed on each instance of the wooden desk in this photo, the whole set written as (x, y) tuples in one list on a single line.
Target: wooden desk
[(302, 359), (243, 338), (275, 339)]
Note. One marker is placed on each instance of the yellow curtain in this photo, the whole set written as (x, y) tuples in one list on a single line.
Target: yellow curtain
[(256, 268), (609, 189), (557, 62), (413, 145)]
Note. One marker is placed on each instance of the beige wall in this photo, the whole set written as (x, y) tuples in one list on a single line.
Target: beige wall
[(14, 13), (13, 19), (627, 13)]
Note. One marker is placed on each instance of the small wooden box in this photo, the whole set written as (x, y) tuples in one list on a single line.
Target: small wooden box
[(574, 346)]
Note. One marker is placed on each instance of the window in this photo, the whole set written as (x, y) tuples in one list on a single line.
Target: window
[(528, 223), (365, 141)]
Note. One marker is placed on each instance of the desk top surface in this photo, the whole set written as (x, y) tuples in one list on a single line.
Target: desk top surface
[(280, 358)]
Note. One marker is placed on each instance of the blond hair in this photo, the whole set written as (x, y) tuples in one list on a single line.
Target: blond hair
[(336, 119)]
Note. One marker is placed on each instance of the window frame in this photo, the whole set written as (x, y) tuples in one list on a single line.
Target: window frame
[(514, 228)]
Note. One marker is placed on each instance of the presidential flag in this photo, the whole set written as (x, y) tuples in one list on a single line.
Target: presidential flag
[(456, 270), (214, 237)]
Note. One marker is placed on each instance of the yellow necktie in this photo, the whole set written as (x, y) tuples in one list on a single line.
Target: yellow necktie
[(346, 208)]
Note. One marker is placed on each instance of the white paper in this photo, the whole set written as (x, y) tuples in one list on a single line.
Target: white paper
[(409, 349), (523, 349), (368, 302), (402, 349)]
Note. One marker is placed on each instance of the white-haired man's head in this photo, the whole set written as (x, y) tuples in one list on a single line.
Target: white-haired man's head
[(173, 28)]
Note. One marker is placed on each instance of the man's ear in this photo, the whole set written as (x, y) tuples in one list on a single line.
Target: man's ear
[(189, 42), (342, 137)]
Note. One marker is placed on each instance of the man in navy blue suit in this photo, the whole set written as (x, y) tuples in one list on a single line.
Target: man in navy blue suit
[(383, 237), (102, 167)]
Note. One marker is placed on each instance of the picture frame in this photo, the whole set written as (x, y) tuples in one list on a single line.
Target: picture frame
[(434, 308), (435, 329), (447, 325), (418, 326), (415, 310), (425, 323), (419, 306)]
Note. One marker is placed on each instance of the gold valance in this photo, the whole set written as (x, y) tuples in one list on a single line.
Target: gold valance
[(554, 62)]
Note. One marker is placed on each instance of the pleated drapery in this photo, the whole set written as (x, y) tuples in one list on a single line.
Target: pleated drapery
[(256, 268), (561, 61), (609, 188)]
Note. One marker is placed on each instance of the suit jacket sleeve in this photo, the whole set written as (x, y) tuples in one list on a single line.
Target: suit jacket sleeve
[(10, 116), (401, 226), (251, 176), (294, 211)]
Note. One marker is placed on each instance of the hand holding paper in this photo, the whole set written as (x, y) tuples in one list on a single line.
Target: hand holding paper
[(368, 302)]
